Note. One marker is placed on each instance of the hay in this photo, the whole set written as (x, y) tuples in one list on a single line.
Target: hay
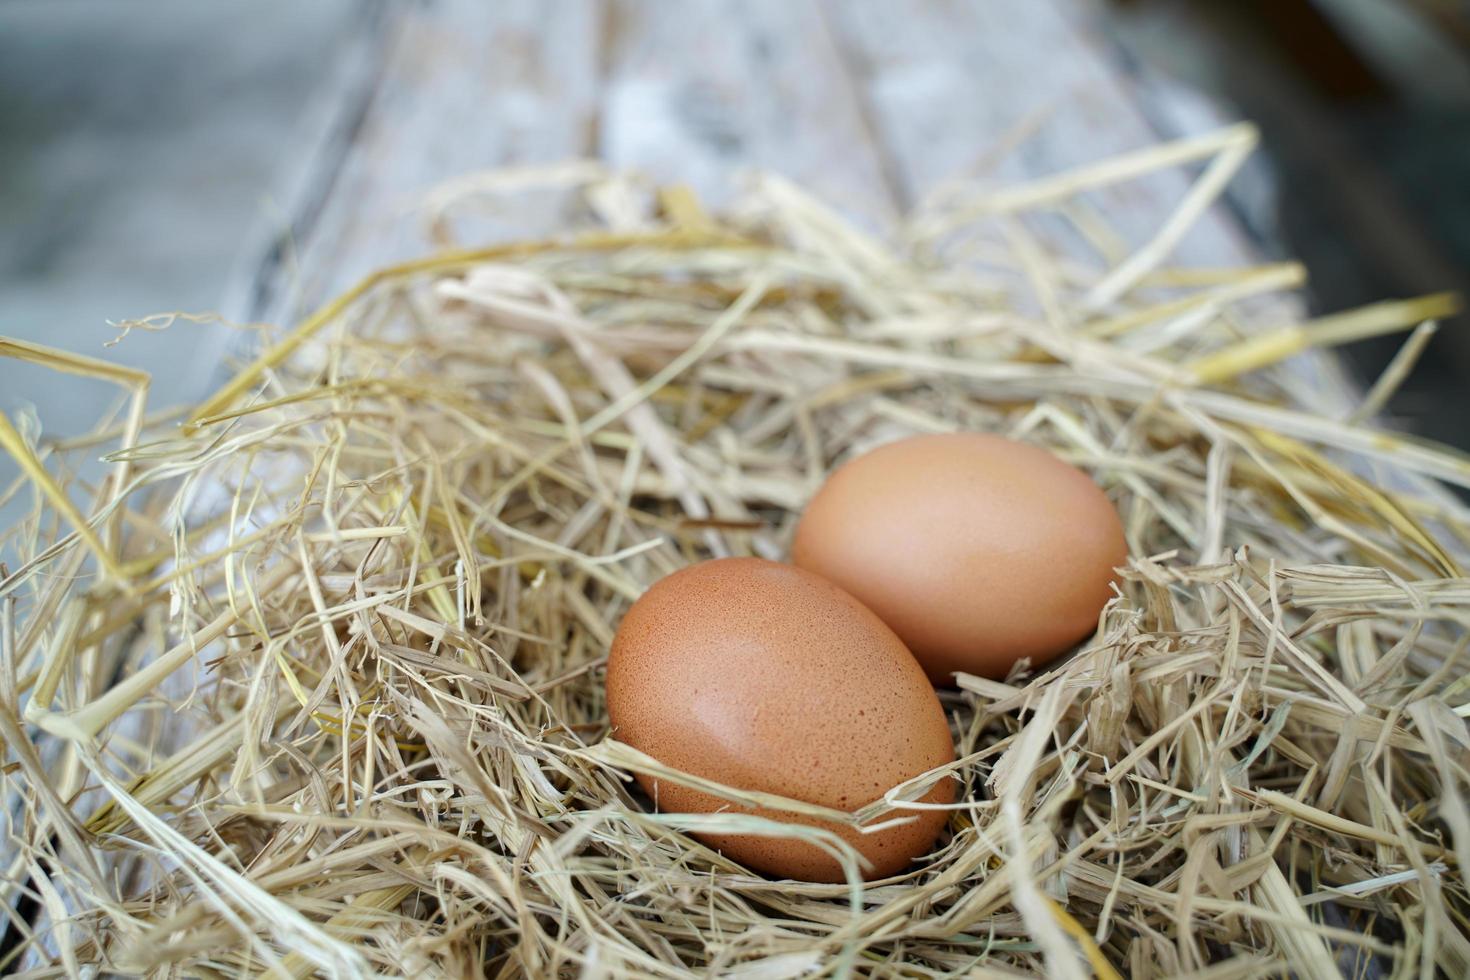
[(313, 684)]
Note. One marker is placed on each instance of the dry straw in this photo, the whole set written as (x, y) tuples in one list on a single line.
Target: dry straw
[(313, 683)]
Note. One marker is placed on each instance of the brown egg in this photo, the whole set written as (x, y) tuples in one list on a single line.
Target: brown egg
[(976, 550), (765, 677)]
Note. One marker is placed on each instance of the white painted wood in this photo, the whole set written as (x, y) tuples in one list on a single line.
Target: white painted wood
[(463, 86), (951, 82), (321, 141), (697, 92)]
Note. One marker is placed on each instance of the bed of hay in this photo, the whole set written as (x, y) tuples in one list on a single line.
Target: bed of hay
[(312, 683)]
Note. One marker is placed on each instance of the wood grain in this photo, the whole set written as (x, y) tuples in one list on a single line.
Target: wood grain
[(463, 86), (699, 92), (951, 84)]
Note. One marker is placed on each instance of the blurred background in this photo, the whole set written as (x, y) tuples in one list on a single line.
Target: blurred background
[(160, 155)]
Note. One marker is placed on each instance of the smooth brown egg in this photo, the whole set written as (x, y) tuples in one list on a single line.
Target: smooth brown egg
[(765, 677), (976, 550)]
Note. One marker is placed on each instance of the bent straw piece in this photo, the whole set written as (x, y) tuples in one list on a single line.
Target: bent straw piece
[(133, 379), (13, 443), (1199, 197), (284, 348), (357, 385)]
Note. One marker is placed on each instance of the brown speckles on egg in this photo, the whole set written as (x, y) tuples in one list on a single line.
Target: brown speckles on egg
[(765, 677), (976, 550)]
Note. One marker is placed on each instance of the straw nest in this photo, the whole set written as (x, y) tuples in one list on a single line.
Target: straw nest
[(313, 683)]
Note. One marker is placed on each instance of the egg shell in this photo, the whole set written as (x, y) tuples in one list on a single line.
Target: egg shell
[(765, 677), (977, 550)]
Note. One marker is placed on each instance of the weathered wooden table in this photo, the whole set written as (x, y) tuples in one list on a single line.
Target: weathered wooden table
[(868, 103)]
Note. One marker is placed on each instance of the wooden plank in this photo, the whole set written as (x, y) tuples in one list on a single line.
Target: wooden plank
[(1010, 92), (698, 92), (949, 83), (463, 86), (321, 140)]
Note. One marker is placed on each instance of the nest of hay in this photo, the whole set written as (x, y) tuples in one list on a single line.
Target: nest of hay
[(312, 683)]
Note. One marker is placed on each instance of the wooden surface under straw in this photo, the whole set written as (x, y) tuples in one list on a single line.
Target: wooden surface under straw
[(313, 684)]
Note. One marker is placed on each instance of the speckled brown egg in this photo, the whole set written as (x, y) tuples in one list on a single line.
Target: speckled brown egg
[(977, 550), (765, 677)]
